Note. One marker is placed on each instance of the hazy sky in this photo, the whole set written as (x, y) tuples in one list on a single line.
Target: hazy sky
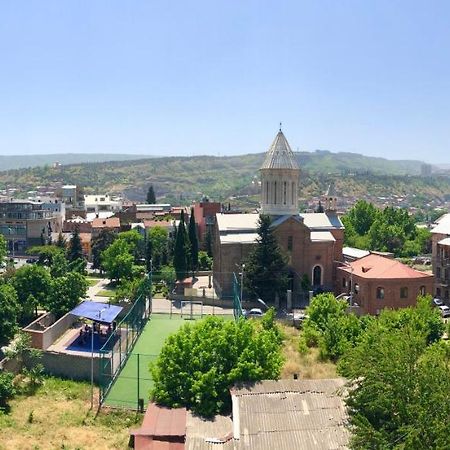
[(216, 77)]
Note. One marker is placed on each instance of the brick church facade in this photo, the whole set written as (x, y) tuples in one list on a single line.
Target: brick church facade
[(312, 242)]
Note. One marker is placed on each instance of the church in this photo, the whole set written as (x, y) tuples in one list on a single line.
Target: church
[(312, 242)]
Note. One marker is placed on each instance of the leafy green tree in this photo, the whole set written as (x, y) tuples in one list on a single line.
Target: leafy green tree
[(159, 238), (118, 260), (59, 266), (193, 241), (205, 262), (32, 284), (7, 388), (209, 243), (45, 253), (135, 242), (361, 217), (265, 266), (61, 242), (168, 275), (148, 252), (75, 249), (3, 250), (99, 244), (198, 364), (66, 292), (181, 253), (151, 198), (9, 313)]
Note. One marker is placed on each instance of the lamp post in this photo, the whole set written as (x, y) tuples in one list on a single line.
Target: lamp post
[(242, 281), (346, 264)]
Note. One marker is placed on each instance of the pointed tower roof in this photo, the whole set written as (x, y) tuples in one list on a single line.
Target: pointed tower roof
[(280, 155)]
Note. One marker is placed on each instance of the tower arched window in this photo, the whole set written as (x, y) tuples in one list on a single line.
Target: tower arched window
[(293, 192), (267, 192), (284, 192), (317, 275)]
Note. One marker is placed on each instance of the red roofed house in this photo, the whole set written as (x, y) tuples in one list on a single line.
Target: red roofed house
[(111, 223), (380, 282)]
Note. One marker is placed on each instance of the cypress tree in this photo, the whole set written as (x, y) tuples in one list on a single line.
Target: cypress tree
[(75, 250), (148, 252), (180, 261), (151, 198), (193, 241), (61, 242), (265, 272)]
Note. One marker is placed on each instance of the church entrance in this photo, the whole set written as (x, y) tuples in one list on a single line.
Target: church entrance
[(317, 276)]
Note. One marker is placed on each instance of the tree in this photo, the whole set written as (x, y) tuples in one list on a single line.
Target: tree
[(61, 242), (158, 237), (181, 256), (99, 244), (32, 284), (193, 241), (3, 250), (59, 266), (9, 312), (66, 292), (75, 250), (7, 388), (45, 253), (148, 253), (361, 217), (151, 198), (118, 260), (265, 266), (204, 261), (209, 242), (136, 243), (198, 364)]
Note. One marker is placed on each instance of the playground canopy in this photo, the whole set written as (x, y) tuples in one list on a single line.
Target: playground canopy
[(98, 312)]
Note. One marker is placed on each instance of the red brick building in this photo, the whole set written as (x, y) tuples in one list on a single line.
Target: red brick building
[(380, 282), (204, 214)]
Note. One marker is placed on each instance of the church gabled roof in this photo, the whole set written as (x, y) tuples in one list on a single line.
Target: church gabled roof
[(280, 155), (331, 191)]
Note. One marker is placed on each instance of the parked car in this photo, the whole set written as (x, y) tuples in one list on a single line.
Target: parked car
[(445, 310), (31, 260), (437, 302), (254, 312)]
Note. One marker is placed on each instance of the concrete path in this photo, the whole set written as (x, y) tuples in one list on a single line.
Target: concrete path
[(94, 290)]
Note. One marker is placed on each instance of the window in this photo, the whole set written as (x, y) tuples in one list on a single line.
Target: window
[(267, 192), (422, 290), (290, 243), (284, 192), (293, 189), (275, 193), (403, 292), (380, 293), (317, 276), (356, 288)]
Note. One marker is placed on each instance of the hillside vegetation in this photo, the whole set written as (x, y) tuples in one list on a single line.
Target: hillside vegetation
[(182, 179)]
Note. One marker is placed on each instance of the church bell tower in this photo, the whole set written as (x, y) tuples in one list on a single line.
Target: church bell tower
[(279, 179)]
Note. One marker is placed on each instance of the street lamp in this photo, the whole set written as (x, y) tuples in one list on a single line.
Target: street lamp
[(346, 264), (260, 300), (241, 273)]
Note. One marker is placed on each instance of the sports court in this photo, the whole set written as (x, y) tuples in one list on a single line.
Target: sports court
[(134, 380)]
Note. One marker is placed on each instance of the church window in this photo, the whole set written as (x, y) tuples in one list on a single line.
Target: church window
[(380, 293), (267, 192), (344, 282), (293, 189), (284, 192), (275, 192), (422, 290), (290, 243), (317, 276), (404, 292), (357, 288)]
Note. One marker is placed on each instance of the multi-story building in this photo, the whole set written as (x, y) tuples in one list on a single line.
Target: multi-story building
[(441, 257), (25, 223)]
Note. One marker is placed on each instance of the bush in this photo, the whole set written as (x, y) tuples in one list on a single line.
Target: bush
[(7, 389)]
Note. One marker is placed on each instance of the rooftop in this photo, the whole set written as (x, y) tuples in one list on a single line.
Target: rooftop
[(110, 222), (280, 155), (375, 266)]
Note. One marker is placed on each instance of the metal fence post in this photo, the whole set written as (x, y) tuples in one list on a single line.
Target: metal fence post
[(138, 380)]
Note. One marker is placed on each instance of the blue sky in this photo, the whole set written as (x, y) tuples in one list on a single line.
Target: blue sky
[(216, 77)]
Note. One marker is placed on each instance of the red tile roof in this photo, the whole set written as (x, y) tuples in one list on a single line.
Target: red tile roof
[(375, 266), (110, 222)]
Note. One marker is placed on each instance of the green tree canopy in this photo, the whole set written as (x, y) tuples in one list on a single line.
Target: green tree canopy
[(99, 244), (75, 249), (3, 249), (159, 238), (198, 364), (118, 260), (151, 198), (9, 312), (193, 241), (265, 266), (135, 242), (32, 284)]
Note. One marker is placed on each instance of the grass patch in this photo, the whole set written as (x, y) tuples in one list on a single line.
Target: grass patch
[(92, 281), (106, 293), (307, 365), (58, 416)]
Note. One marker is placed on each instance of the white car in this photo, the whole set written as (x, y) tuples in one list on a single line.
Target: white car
[(437, 302), (254, 312), (445, 310)]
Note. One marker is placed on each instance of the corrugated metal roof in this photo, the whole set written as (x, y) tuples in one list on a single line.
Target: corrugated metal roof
[(280, 155), (321, 221), (445, 241), (238, 238), (322, 236), (237, 222), (353, 252)]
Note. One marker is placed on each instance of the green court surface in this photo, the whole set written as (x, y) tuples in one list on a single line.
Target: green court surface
[(134, 380)]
